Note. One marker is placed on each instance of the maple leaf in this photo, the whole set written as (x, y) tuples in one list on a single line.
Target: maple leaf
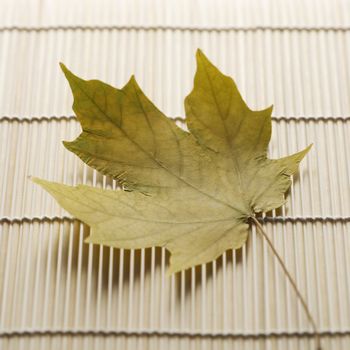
[(191, 192)]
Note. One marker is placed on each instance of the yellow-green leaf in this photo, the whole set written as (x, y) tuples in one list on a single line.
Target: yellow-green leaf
[(191, 192)]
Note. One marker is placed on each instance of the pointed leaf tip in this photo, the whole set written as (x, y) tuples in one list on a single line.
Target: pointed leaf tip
[(204, 62), (68, 74), (270, 109), (131, 82), (64, 68), (199, 52), (66, 144), (307, 149), (200, 56), (37, 180), (33, 179), (132, 79), (42, 183)]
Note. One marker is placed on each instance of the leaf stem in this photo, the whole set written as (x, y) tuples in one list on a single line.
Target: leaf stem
[(292, 282)]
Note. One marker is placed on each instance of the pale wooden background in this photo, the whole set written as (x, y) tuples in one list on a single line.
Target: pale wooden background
[(58, 293)]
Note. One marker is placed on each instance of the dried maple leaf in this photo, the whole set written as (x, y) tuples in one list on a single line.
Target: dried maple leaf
[(191, 192)]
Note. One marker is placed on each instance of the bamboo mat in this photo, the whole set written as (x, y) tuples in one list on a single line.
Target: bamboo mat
[(57, 292)]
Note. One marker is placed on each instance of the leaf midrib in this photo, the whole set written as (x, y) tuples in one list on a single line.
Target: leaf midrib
[(234, 162), (115, 214)]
